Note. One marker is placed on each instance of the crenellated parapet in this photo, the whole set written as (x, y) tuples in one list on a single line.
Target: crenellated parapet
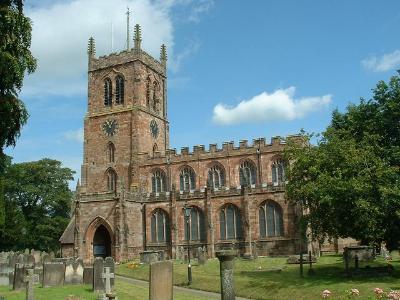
[(214, 152), (128, 55), (123, 57)]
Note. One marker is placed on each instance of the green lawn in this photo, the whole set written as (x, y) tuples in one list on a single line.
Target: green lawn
[(268, 283), (125, 291)]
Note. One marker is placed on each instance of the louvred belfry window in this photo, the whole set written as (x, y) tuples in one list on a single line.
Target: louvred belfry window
[(119, 90), (107, 92)]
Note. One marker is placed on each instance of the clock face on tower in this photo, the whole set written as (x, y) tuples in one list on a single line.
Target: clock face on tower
[(154, 129), (110, 127)]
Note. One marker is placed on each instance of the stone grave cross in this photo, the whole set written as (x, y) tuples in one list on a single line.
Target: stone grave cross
[(107, 276), (29, 280)]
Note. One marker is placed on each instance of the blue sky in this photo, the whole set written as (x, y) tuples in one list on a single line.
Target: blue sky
[(236, 70)]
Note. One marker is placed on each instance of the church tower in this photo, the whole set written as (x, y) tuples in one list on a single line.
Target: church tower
[(126, 116)]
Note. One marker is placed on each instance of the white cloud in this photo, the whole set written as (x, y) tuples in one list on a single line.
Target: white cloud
[(280, 105), (61, 32), (74, 135), (201, 7), (389, 61)]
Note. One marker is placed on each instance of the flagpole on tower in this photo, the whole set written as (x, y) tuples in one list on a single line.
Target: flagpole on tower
[(127, 29)]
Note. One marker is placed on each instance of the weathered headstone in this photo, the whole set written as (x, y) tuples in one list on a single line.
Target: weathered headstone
[(53, 274), (26, 251), (226, 258), (5, 269), (36, 255), (29, 281), (161, 280), (98, 265), (110, 263), (201, 256), (74, 272), (19, 275), (149, 256), (12, 260), (52, 255), (11, 279), (107, 276), (30, 261), (88, 275), (21, 259), (46, 258)]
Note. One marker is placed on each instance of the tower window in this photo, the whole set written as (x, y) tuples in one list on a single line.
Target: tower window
[(148, 92), (155, 96), (119, 90), (111, 152), (216, 177), (111, 180), (107, 92), (247, 173), (187, 179)]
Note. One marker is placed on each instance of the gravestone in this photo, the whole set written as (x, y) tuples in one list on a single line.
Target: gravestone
[(88, 275), (161, 280), (26, 251), (110, 263), (53, 274), (11, 278), (36, 255), (226, 258), (107, 276), (201, 256), (38, 274), (30, 261), (46, 258), (149, 256), (21, 259), (12, 260), (98, 265), (74, 272), (5, 269), (29, 281), (19, 275)]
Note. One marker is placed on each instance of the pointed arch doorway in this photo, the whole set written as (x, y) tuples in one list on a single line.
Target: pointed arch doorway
[(101, 242)]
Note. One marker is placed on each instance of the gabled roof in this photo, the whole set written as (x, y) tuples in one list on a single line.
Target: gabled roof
[(68, 235)]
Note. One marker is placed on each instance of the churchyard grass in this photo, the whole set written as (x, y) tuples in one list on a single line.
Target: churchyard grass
[(124, 290), (278, 280)]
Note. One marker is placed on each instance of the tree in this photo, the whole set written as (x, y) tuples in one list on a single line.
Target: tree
[(37, 200), (348, 184), (15, 60)]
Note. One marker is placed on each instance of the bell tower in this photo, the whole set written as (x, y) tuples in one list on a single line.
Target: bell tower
[(126, 115)]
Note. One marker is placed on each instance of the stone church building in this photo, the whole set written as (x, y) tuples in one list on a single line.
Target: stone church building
[(137, 194)]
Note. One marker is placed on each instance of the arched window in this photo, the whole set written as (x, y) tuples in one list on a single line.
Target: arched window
[(247, 173), (216, 177), (159, 227), (148, 92), (111, 152), (278, 172), (230, 223), (187, 179), (270, 219), (155, 96), (119, 90), (197, 229), (111, 180), (107, 92), (158, 182)]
